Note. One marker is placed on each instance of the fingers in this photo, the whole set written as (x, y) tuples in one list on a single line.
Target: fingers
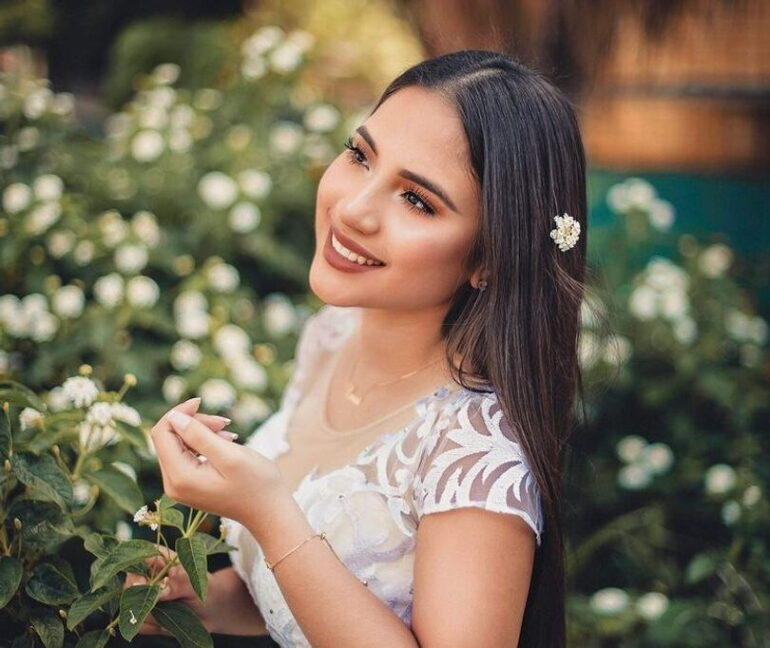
[(197, 436), (213, 421)]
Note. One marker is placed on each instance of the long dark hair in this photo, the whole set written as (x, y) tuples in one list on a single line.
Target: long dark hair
[(521, 333)]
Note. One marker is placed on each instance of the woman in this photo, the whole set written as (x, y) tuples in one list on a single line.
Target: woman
[(407, 491)]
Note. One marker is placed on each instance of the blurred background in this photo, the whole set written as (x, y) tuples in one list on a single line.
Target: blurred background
[(158, 169)]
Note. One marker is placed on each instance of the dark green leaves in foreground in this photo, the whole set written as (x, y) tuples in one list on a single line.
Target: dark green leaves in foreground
[(10, 578), (117, 485), (124, 555), (136, 602), (48, 585), (192, 555), (183, 623), (43, 476)]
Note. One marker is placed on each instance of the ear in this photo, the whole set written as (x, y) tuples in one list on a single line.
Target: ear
[(477, 275)]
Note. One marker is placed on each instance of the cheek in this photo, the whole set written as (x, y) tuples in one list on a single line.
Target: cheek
[(430, 250)]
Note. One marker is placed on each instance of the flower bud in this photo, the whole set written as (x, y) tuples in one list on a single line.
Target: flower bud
[(56, 450), (62, 613), (85, 370), (17, 523), (130, 379), (7, 465)]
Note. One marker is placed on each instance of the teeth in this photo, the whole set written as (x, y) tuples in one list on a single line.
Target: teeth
[(352, 256)]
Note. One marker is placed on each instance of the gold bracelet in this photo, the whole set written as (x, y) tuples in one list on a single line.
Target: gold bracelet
[(321, 535)]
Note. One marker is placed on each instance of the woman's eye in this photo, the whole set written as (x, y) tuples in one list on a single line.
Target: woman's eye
[(354, 152)]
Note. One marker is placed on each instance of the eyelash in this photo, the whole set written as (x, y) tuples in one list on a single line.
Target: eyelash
[(428, 211)]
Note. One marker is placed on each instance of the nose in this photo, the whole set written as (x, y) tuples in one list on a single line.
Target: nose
[(358, 207)]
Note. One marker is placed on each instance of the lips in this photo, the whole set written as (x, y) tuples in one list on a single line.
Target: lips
[(353, 246)]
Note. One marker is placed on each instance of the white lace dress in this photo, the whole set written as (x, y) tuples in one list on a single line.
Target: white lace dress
[(457, 452)]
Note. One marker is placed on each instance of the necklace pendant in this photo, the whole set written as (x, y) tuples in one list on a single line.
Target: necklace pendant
[(351, 396)]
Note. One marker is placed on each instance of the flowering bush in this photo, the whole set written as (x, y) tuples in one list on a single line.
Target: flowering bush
[(69, 469), (668, 539)]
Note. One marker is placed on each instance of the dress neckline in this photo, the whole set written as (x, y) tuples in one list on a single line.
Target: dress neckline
[(330, 431)]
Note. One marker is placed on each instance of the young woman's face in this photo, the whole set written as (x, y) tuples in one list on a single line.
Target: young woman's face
[(406, 195)]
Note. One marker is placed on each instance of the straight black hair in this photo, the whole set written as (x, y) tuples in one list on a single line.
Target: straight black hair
[(520, 334)]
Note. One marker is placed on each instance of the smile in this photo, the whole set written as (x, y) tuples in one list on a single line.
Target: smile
[(352, 256)]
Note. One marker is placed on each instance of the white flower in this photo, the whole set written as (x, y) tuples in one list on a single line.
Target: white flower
[(28, 138), (566, 232), (113, 227), (194, 324), (160, 97), (16, 197), (68, 301), (145, 517), (9, 156), (719, 479), (630, 448), (244, 217), (618, 349), (286, 137), (29, 417), (147, 145), (280, 317), (634, 476), (42, 217), (166, 73), (60, 242), (125, 468), (80, 391), (731, 512), (248, 373), (657, 457), (217, 394), (609, 600), (48, 187), (123, 531), (255, 183), (231, 340), (223, 277), (752, 495), (185, 355), (43, 327), (173, 388), (286, 57), (180, 140), (108, 290), (100, 413), (207, 99), (217, 190), (321, 118), (651, 605), (142, 291), (57, 400), (253, 67), (63, 104), (639, 192), (126, 413), (84, 252), (715, 260), (189, 301), (37, 102), (249, 409), (262, 40), (685, 330), (661, 214), (81, 491), (181, 116), (153, 117), (131, 258)]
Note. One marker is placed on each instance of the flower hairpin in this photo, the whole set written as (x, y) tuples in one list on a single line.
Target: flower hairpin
[(566, 232)]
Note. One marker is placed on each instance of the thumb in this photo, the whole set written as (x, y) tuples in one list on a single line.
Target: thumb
[(190, 406)]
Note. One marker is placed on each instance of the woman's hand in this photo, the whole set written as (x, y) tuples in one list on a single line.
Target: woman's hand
[(234, 481)]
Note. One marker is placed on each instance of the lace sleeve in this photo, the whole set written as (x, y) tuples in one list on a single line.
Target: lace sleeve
[(472, 460)]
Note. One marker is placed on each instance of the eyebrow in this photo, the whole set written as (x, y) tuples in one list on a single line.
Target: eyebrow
[(410, 175)]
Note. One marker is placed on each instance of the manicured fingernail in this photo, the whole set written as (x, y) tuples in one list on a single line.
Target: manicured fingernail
[(178, 419), (192, 400), (223, 418), (234, 435)]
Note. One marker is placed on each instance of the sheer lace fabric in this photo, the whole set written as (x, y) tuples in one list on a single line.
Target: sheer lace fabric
[(457, 452)]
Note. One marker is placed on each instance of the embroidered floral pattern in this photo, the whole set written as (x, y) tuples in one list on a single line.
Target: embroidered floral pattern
[(456, 452)]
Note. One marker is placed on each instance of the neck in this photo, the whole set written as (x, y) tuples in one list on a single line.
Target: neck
[(391, 343)]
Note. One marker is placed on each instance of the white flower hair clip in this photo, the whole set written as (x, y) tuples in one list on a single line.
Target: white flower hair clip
[(566, 232)]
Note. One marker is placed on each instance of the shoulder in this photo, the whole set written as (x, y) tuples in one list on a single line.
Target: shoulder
[(472, 458)]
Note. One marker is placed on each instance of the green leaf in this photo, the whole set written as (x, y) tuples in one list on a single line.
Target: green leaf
[(21, 395), (173, 517), (701, 566), (124, 555), (48, 626), (88, 603), (135, 604), (94, 639), (182, 622), (43, 475), (48, 585), (44, 524), (192, 555), (10, 577), (99, 545), (134, 435), (6, 435), (119, 486), (215, 546)]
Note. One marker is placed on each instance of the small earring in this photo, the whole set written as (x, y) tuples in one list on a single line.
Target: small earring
[(482, 284)]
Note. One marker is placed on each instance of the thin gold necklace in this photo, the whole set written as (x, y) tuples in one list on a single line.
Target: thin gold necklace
[(354, 398)]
